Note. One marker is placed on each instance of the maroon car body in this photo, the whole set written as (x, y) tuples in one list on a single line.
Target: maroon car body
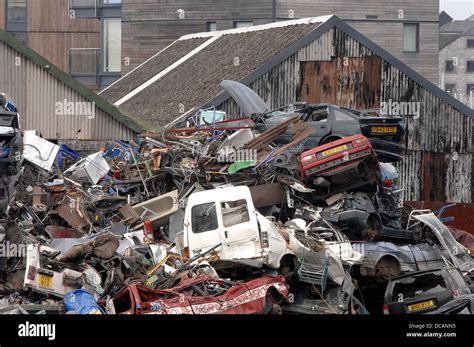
[(252, 297), (340, 165)]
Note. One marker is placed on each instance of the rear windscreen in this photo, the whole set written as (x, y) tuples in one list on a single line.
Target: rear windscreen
[(411, 287)]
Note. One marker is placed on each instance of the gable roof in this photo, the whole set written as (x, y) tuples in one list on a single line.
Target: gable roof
[(194, 66), (125, 118), (453, 30), (444, 18), (457, 26), (193, 81), (446, 39)]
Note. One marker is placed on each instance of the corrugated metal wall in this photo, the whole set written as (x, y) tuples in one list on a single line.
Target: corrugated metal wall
[(36, 94), (439, 129)]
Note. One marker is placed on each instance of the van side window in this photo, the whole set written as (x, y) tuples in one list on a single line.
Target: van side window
[(204, 218), (234, 212)]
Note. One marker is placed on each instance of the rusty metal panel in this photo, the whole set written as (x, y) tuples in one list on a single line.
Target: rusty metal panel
[(319, 82), (348, 82), (434, 170)]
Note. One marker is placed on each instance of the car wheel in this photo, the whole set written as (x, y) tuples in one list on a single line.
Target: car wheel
[(272, 303)]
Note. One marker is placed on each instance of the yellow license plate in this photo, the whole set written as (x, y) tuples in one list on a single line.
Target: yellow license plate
[(383, 130), (334, 150), (420, 306), (45, 281)]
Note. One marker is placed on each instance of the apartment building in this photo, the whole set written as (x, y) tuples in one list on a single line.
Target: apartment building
[(408, 29), (49, 28), (456, 57)]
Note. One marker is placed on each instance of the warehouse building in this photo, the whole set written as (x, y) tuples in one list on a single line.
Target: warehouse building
[(319, 59), (55, 104)]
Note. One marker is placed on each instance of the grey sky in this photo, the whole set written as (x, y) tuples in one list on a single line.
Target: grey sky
[(458, 9)]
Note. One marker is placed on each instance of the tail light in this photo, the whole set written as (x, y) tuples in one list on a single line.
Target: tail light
[(308, 160), (385, 309), (186, 252), (148, 229)]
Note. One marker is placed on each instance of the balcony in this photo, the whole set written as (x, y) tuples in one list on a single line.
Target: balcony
[(96, 8), (86, 67)]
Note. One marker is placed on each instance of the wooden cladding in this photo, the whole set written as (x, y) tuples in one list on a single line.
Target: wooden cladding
[(348, 82), (53, 15), (2, 14)]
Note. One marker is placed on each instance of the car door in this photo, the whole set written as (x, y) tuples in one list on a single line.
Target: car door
[(239, 230), (343, 123), (203, 227)]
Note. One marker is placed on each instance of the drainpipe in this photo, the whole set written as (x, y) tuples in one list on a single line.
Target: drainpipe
[(274, 10)]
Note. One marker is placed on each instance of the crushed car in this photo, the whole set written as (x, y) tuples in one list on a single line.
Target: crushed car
[(425, 291), (205, 295)]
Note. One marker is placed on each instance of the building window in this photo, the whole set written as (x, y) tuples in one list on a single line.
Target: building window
[(411, 35), (112, 44), (449, 66), (470, 43), (371, 17), (242, 24), (112, 2), (470, 66), (17, 11), (469, 89), (211, 26), (450, 88)]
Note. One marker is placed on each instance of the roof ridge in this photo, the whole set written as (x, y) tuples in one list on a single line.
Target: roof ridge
[(281, 24)]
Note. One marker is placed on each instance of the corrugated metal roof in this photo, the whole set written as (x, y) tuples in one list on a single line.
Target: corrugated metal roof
[(197, 64)]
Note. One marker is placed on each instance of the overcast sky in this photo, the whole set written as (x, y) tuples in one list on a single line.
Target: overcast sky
[(458, 9)]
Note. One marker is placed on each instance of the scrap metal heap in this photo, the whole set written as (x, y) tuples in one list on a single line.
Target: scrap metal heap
[(227, 215)]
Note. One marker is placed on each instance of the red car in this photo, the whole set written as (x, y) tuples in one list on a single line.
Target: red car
[(205, 295), (348, 163)]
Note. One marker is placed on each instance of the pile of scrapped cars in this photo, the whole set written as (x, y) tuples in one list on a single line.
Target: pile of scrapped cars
[(295, 210)]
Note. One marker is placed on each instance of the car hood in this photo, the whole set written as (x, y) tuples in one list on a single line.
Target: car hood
[(248, 101)]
